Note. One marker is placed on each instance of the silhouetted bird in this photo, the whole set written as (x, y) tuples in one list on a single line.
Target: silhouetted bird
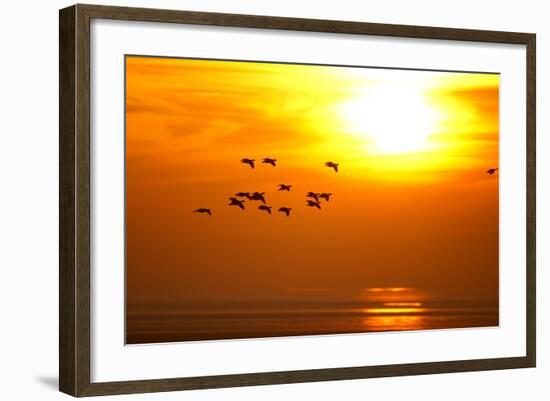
[(285, 210), (283, 187), (332, 165), (236, 202), (258, 196), (325, 195), (267, 160), (243, 195), (250, 162), (266, 208), (313, 204), (313, 195), (203, 210), (492, 171)]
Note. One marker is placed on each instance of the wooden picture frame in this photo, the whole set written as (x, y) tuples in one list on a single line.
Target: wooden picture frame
[(74, 205)]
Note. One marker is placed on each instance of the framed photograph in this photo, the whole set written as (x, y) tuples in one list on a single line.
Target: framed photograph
[(250, 200)]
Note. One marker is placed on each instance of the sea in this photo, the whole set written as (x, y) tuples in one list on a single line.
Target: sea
[(200, 321)]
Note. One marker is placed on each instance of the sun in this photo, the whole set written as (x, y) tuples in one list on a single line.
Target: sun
[(392, 118)]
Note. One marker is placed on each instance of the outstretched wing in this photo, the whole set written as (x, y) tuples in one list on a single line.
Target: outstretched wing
[(314, 204), (313, 195), (332, 165), (250, 162)]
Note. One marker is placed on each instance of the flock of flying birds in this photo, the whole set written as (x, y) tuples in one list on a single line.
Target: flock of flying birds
[(313, 199)]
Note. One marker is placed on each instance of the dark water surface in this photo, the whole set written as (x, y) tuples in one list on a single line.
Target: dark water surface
[(234, 320)]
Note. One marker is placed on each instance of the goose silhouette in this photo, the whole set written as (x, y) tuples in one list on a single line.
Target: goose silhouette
[(250, 162), (313, 195), (236, 202), (259, 196), (243, 195), (492, 171), (325, 195), (332, 165), (284, 187), (203, 210), (313, 204), (266, 208), (267, 160), (285, 210)]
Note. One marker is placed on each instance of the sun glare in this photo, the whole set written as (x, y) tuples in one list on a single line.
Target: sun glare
[(392, 118)]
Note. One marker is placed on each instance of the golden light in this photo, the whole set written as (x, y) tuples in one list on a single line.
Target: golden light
[(402, 303), (394, 323), (392, 117), (390, 311), (395, 296), (389, 289)]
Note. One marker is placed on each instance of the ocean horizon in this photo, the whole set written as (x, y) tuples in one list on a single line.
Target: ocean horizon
[(179, 322)]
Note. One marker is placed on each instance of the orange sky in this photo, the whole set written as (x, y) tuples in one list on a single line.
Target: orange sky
[(412, 204)]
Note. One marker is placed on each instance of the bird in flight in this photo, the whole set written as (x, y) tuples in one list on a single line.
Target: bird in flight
[(243, 195), (267, 160), (203, 210), (314, 204), (250, 162), (236, 202), (325, 195), (283, 187), (259, 196), (285, 210), (492, 171), (266, 208), (332, 165), (313, 195)]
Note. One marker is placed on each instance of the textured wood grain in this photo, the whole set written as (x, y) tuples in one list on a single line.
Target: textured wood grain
[(67, 294), (74, 199), (531, 201), (302, 376), (301, 24)]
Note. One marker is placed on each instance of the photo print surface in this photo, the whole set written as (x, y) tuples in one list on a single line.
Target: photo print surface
[(271, 199)]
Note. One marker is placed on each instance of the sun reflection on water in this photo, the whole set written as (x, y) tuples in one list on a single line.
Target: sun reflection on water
[(394, 323), (402, 303), (391, 311), (396, 308), (389, 289)]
